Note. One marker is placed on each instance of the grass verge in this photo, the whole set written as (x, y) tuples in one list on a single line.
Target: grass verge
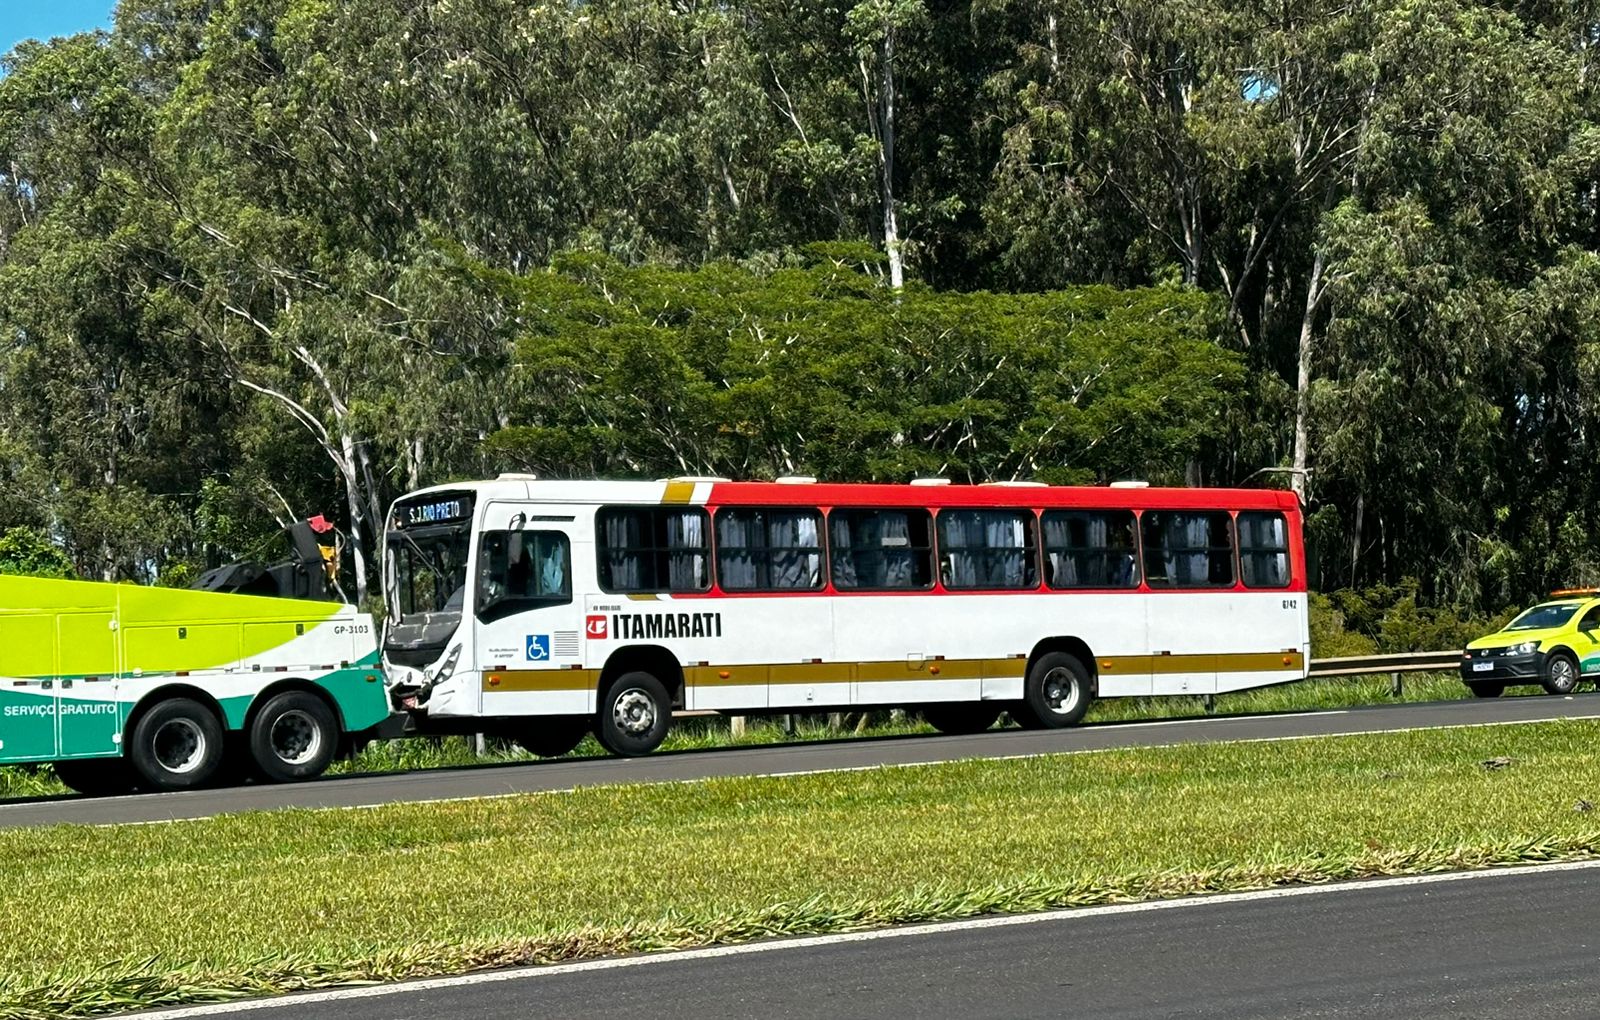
[(122, 917)]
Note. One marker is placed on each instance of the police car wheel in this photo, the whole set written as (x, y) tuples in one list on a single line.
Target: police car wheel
[(1561, 674), (635, 712), (176, 745), (1056, 693), (552, 737), (961, 718)]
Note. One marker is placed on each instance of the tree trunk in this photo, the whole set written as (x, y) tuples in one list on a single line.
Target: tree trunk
[(1302, 402), (1189, 215), (891, 225), (358, 513), (1355, 538), (414, 465)]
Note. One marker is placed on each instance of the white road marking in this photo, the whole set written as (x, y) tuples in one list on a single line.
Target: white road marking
[(815, 941), (1112, 724)]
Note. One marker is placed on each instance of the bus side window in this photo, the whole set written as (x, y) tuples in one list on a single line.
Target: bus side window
[(520, 570), (1187, 549), (881, 549), (987, 549), (1090, 549), (1263, 550), (769, 550), (653, 549)]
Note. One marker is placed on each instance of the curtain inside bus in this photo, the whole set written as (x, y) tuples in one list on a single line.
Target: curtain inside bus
[(986, 549), (764, 550)]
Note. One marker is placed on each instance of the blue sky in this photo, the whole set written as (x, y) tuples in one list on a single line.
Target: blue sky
[(29, 19)]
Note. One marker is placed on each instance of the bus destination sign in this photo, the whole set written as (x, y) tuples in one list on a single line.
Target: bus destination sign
[(436, 511)]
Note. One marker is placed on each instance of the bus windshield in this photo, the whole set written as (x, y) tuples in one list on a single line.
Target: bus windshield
[(1551, 614), (429, 571)]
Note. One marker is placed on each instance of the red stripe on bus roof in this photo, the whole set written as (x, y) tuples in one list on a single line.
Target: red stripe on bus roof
[(831, 494)]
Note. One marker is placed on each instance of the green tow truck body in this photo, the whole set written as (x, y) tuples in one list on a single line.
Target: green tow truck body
[(83, 664)]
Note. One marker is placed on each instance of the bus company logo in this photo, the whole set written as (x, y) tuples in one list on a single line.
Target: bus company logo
[(595, 627), (649, 626)]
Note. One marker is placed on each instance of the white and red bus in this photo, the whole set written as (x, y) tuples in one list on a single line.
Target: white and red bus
[(545, 610)]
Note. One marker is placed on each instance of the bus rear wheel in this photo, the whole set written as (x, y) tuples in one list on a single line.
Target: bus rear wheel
[(961, 718), (294, 736), (1056, 693), (176, 745), (635, 712), (96, 777), (551, 737)]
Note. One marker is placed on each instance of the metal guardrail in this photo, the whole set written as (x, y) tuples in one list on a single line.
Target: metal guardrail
[(1395, 665)]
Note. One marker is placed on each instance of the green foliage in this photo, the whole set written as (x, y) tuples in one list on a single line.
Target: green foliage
[(28, 552), (820, 369), (1389, 619), (1330, 636), (316, 254)]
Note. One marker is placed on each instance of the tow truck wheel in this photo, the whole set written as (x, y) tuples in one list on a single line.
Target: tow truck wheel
[(552, 737), (96, 777), (635, 712), (294, 736), (176, 745)]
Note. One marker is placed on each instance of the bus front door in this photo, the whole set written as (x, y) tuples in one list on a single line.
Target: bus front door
[(527, 626)]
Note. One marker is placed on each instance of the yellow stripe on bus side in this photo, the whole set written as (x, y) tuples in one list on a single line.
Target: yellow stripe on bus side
[(896, 670), (523, 680), (1228, 662), (808, 673)]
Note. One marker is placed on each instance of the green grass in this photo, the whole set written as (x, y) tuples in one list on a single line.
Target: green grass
[(154, 914), (700, 734)]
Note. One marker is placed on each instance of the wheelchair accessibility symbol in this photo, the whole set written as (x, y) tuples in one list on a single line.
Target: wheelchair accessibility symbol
[(538, 647)]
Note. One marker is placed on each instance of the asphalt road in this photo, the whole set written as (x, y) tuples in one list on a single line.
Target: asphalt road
[(1493, 945), (564, 774)]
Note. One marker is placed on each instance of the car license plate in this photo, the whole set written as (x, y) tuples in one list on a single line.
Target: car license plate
[(1482, 667)]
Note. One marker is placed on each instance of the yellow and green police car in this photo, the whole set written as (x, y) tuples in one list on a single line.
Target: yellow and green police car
[(1554, 644)]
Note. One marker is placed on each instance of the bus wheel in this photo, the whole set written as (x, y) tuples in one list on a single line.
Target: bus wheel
[(96, 777), (634, 714), (551, 737), (294, 736), (1056, 693), (177, 745), (961, 718)]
